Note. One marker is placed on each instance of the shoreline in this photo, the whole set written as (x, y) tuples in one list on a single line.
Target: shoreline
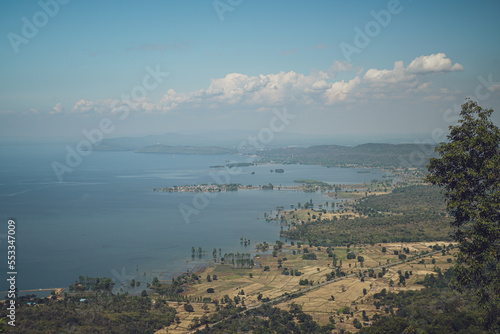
[(200, 268)]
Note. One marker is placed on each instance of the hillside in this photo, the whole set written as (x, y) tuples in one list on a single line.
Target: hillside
[(369, 155), (409, 214)]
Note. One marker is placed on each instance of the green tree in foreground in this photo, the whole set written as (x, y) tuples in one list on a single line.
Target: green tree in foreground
[(468, 170)]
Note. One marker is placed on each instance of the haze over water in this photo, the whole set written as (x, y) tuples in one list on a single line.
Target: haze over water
[(105, 219)]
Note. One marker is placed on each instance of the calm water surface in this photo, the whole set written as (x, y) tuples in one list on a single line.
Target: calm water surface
[(105, 220)]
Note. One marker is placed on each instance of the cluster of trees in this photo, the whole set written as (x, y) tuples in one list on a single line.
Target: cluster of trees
[(245, 241), (313, 185), (232, 186), (437, 309), (369, 155), (333, 274), (404, 200), (306, 282), (291, 272), (97, 313), (239, 260), (269, 319), (278, 245), (200, 252), (175, 287), (436, 281), (225, 308), (371, 273), (86, 283), (309, 256), (406, 218), (262, 246)]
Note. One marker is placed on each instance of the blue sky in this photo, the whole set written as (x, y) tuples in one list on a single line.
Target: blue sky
[(231, 73)]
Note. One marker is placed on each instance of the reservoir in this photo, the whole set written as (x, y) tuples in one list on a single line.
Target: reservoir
[(104, 220)]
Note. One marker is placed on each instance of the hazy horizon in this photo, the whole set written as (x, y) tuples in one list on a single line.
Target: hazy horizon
[(379, 69), (232, 139)]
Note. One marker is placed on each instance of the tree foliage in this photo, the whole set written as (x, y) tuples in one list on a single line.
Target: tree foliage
[(433, 310), (468, 170), (95, 313), (268, 319), (370, 155), (409, 214)]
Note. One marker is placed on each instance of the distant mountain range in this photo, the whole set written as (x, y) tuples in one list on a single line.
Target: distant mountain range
[(233, 139), (368, 155)]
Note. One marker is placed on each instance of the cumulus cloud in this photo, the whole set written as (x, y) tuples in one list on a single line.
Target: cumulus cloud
[(494, 87), (57, 109), (83, 106), (340, 90), (337, 67), (341, 83), (238, 89), (408, 75), (433, 63), (109, 106), (398, 74)]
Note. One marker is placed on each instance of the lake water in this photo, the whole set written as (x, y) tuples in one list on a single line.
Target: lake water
[(105, 220)]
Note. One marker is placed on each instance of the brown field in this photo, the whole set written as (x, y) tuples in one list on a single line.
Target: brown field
[(317, 301)]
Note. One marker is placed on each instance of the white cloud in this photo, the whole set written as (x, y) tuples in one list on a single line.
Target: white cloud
[(236, 89), (318, 90), (384, 76), (340, 90), (111, 106), (433, 63), (83, 106), (240, 90), (337, 67), (427, 85), (57, 109), (403, 78), (494, 87)]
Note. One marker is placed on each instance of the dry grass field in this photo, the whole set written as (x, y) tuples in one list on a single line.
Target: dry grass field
[(347, 292)]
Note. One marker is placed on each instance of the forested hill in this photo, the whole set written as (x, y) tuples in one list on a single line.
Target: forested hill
[(366, 155), (369, 155), (408, 214)]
